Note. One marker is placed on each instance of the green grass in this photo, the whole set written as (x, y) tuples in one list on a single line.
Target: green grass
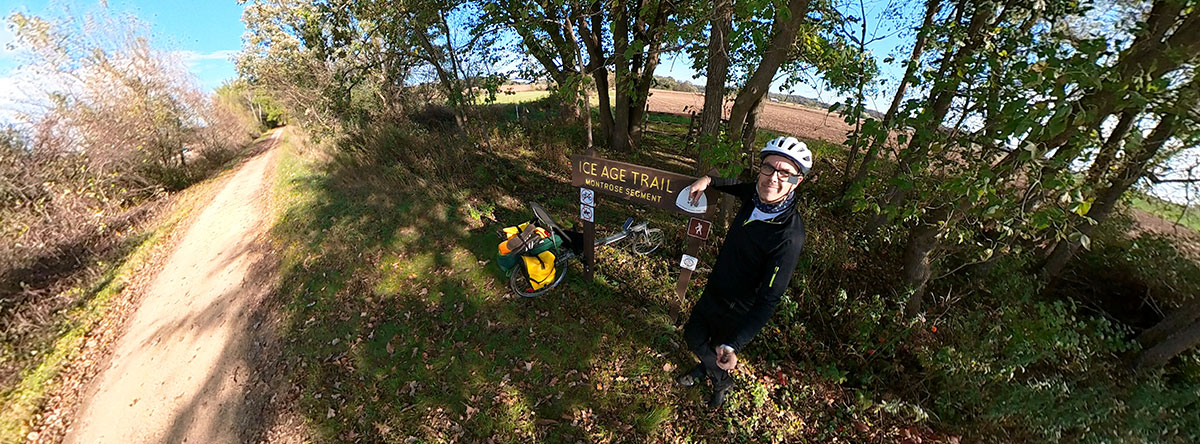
[(521, 96), (24, 400), (1173, 212), (400, 323), (400, 327)]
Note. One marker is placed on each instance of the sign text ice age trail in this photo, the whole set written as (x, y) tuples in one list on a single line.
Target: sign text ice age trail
[(648, 186)]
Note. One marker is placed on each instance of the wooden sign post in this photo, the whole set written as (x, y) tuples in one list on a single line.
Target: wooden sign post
[(646, 186)]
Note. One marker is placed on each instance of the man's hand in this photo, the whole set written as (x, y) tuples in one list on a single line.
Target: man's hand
[(698, 188), (726, 359)]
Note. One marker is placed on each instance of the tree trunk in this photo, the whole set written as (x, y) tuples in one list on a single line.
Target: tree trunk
[(549, 57), (786, 25), (914, 60), (714, 87), (587, 101), (1108, 152), (940, 100), (461, 92), (449, 82), (1107, 199), (918, 145), (620, 38), (1133, 170), (1149, 57), (918, 253), (852, 156), (607, 124), (1175, 344), (635, 74), (597, 62), (1173, 323), (750, 130), (638, 106)]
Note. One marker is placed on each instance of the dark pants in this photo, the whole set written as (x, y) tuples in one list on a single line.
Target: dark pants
[(706, 329)]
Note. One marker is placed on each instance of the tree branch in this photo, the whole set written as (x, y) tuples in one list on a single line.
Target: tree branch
[(1157, 180)]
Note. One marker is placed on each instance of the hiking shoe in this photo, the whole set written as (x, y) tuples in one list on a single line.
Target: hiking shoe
[(718, 397), (691, 378)]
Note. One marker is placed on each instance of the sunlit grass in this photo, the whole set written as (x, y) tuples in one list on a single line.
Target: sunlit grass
[(406, 328), (520, 96)]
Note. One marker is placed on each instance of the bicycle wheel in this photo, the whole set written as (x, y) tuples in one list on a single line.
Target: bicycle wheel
[(518, 281), (648, 241)]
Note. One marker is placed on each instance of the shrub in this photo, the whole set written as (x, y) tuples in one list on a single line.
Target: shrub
[(1015, 366)]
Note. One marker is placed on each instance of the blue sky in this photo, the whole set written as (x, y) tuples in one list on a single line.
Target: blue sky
[(207, 33)]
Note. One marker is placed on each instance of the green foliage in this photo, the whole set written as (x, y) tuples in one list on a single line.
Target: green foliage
[(483, 212), (670, 84), (1044, 372), (251, 104), (997, 357), (726, 155), (1139, 267)]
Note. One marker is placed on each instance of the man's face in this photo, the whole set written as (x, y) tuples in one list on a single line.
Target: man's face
[(771, 187)]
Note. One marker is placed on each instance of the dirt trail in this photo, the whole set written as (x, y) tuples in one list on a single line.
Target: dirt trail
[(186, 368)]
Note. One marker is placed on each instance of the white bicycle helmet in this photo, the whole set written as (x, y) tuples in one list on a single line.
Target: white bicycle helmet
[(792, 149)]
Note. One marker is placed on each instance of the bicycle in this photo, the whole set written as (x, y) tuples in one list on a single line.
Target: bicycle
[(644, 240)]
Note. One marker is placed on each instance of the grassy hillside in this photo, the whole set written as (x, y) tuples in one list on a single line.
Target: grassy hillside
[(400, 328)]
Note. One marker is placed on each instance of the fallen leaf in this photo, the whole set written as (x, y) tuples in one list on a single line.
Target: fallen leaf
[(330, 414), (390, 349), (668, 367), (861, 426)]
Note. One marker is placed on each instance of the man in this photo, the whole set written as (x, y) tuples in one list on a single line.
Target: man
[(753, 267)]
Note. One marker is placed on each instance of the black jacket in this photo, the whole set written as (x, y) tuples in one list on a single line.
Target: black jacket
[(753, 267)]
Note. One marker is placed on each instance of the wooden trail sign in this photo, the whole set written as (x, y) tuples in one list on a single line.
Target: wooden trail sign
[(644, 185), (647, 186)]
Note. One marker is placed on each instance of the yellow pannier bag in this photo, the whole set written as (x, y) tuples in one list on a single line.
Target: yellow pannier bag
[(516, 237), (512, 231), (540, 269)]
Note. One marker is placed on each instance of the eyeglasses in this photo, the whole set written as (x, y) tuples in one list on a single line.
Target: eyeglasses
[(786, 176)]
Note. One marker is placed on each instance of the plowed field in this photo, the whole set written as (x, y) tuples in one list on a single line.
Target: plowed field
[(803, 122)]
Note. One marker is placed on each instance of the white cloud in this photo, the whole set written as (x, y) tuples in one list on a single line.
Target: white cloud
[(210, 69), (19, 95), (192, 58)]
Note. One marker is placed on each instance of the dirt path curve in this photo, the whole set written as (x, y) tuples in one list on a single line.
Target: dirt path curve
[(184, 370)]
